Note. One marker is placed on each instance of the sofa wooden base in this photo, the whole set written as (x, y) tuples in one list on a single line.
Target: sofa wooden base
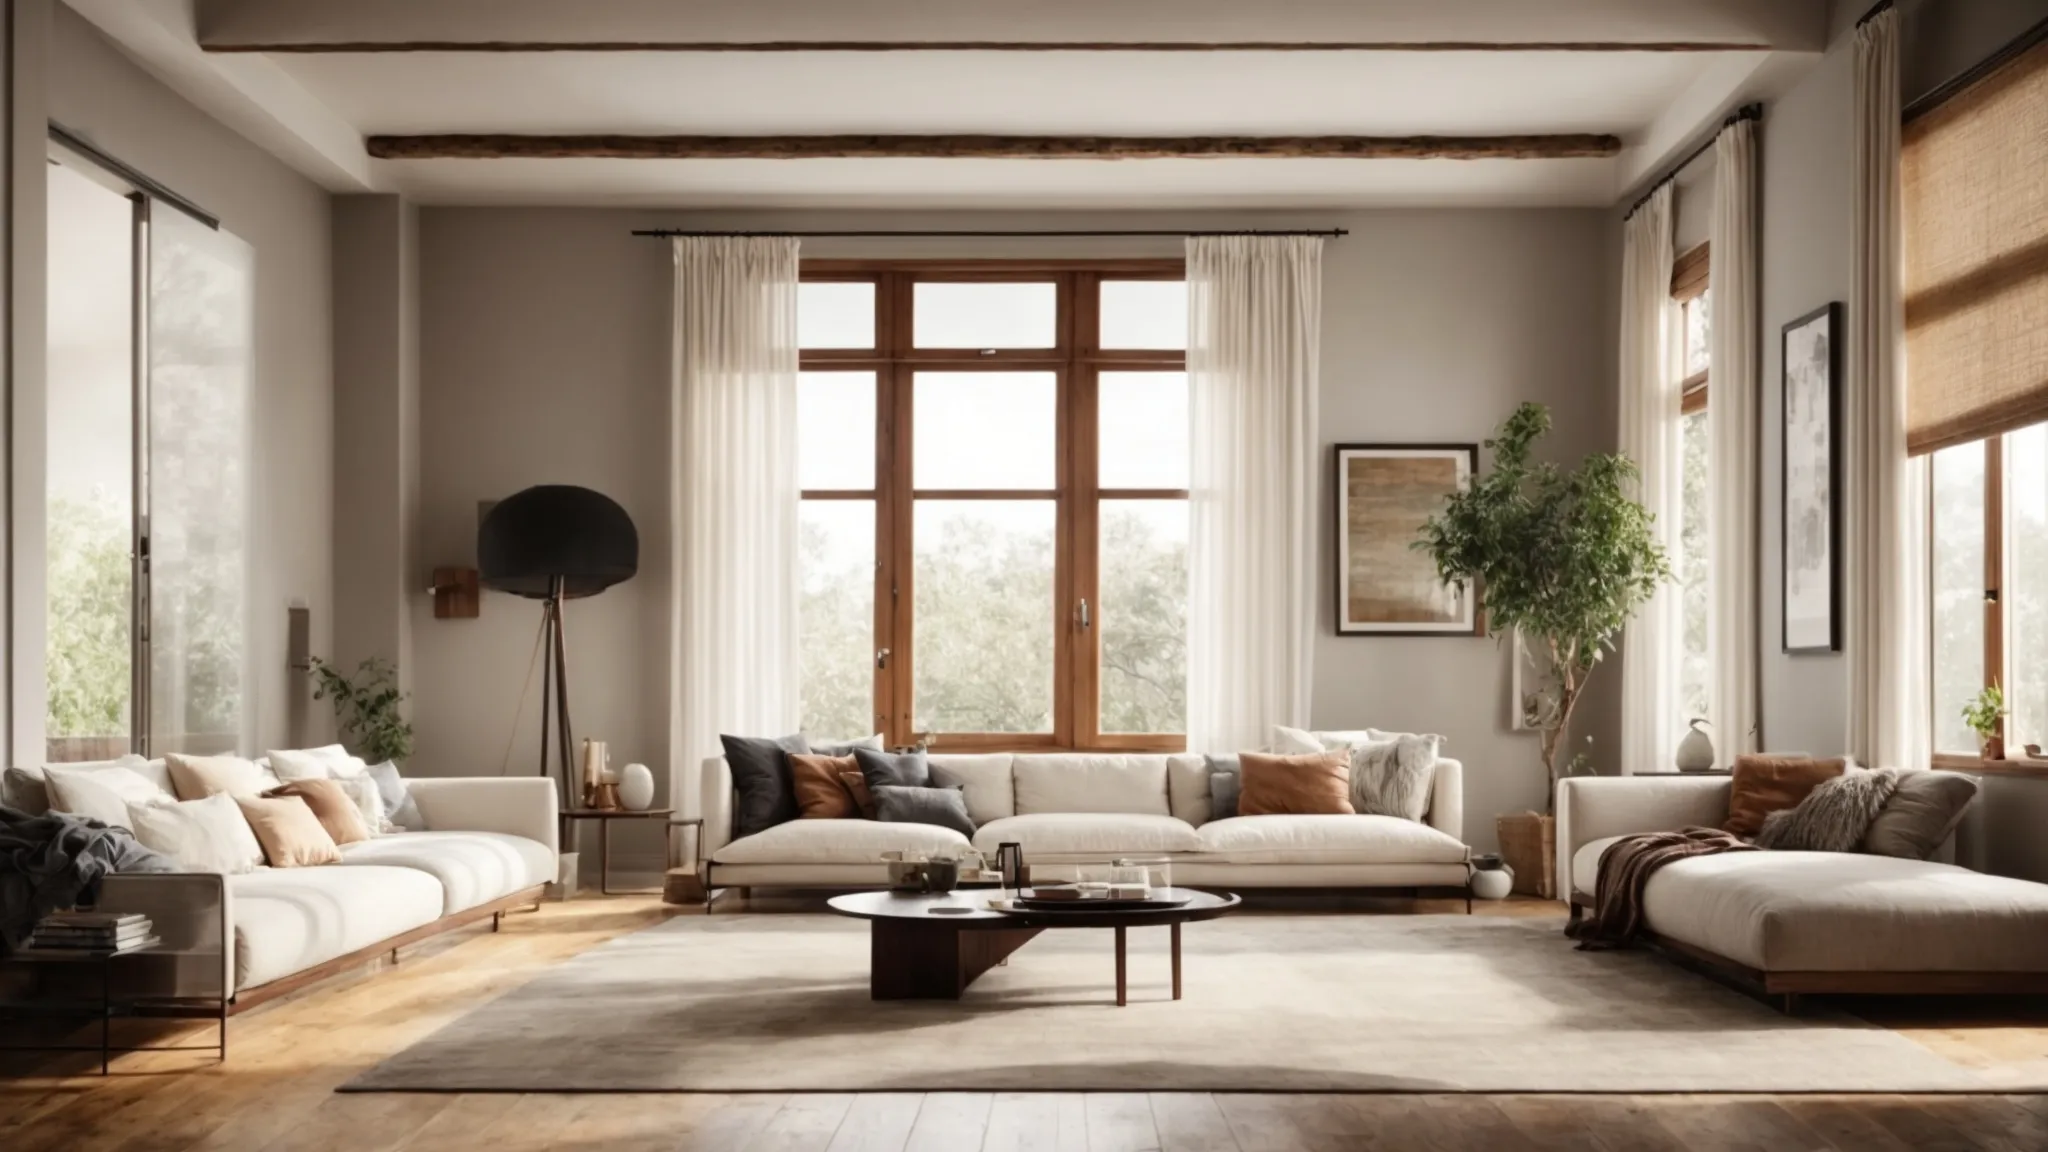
[(1785, 988), (710, 895)]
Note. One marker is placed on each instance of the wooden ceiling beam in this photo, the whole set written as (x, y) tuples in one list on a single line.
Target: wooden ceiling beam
[(366, 46), (981, 147)]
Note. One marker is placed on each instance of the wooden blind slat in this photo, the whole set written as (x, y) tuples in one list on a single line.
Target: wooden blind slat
[(1689, 275), (1975, 174)]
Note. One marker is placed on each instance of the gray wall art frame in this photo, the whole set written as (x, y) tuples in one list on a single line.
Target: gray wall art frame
[(1811, 474)]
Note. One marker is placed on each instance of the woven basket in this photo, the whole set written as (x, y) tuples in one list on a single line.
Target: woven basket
[(1528, 844)]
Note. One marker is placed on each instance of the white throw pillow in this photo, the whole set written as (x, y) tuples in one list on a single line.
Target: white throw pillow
[(399, 806), (209, 835), (101, 794), (1295, 741), (300, 764), (362, 791)]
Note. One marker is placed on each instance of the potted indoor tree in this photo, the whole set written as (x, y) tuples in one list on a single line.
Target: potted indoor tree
[(1565, 558), (366, 708)]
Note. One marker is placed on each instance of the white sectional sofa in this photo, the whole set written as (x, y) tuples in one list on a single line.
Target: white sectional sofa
[(1086, 808), (1789, 923), (489, 847)]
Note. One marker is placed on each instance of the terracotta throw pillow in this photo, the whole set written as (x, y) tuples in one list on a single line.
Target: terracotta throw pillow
[(1317, 784), (336, 810), (1762, 785), (289, 832), (820, 794), (857, 787)]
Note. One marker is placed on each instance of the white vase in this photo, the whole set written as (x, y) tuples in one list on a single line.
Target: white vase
[(1696, 751), (1494, 884), (636, 787)]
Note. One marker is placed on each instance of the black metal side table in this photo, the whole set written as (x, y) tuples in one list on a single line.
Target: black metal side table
[(107, 1006)]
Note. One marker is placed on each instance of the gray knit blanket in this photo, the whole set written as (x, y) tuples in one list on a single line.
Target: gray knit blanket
[(57, 861)]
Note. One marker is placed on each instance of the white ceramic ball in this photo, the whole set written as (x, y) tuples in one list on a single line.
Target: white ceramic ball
[(1494, 885), (636, 787)]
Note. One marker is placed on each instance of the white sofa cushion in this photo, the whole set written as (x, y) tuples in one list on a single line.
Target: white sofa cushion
[(837, 842), (472, 867), (1849, 912), (1586, 864), (1187, 787), (985, 781), (1093, 835), (290, 919), (27, 789), (101, 793), (1328, 840), (1078, 783)]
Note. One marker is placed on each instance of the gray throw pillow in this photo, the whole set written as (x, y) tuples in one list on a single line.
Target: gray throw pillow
[(1834, 817), (1920, 815), (903, 804), (901, 769), (760, 774), (844, 747), (1225, 786), (1394, 777), (399, 806)]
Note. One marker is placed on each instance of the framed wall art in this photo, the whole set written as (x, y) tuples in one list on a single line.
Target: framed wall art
[(1385, 587), (1812, 514)]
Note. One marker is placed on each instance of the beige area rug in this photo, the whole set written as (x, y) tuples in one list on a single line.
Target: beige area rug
[(1306, 1003)]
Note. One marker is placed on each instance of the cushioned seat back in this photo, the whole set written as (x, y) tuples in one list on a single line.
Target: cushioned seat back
[(986, 780), (1081, 783), (27, 789)]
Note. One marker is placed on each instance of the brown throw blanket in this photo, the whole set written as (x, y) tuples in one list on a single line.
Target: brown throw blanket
[(1626, 868)]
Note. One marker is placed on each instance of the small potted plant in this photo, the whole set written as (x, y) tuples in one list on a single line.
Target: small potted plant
[(366, 706), (1985, 714)]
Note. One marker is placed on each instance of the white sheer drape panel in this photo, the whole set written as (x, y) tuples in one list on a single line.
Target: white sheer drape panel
[(1254, 341), (1733, 351), (1886, 605), (1651, 435), (733, 496)]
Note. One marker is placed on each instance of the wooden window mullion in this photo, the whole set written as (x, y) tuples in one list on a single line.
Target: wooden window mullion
[(1994, 575)]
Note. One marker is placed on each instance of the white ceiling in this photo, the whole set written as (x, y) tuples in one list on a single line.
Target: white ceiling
[(314, 108)]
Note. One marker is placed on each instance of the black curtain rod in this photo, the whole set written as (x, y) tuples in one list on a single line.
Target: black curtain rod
[(1746, 112), (1879, 9), (1966, 79), (1331, 233), (114, 164)]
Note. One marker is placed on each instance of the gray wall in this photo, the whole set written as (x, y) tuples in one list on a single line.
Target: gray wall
[(544, 357), (100, 93)]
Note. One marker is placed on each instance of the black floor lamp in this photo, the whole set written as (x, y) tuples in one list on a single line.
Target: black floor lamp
[(554, 543)]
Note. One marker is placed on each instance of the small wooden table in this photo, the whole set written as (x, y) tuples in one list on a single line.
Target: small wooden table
[(931, 947), (604, 818)]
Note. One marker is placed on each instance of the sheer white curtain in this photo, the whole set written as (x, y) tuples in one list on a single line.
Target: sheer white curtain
[(1886, 633), (1732, 635), (1651, 436), (733, 495), (1254, 338)]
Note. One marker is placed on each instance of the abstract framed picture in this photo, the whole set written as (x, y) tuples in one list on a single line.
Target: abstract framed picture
[(1812, 514), (1385, 587)]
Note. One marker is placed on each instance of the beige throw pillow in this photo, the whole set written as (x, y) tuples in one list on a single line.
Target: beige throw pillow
[(289, 832), (197, 777), (208, 835), (331, 805)]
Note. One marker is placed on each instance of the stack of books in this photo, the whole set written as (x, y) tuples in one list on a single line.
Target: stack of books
[(93, 932)]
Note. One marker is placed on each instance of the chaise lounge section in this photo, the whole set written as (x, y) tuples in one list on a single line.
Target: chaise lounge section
[(1789, 923)]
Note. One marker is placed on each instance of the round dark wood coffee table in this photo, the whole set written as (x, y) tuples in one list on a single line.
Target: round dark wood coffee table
[(931, 947)]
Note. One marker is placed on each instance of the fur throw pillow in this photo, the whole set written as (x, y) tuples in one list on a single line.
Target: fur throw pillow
[(1834, 817), (1394, 777)]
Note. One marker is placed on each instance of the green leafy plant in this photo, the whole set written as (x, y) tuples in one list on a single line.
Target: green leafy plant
[(1986, 712), (366, 706), (1565, 556)]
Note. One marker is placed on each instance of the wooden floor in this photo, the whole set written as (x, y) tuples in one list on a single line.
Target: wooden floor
[(276, 1092)]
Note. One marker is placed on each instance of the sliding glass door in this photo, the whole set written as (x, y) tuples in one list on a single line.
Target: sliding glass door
[(150, 325)]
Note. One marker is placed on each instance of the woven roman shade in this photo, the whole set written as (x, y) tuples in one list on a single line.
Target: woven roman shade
[(1975, 172)]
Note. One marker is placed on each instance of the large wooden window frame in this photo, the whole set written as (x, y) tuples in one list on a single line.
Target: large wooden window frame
[(1077, 362), (1688, 284), (1996, 757)]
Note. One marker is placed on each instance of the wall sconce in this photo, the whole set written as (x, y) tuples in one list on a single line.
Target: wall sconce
[(455, 594), (298, 632)]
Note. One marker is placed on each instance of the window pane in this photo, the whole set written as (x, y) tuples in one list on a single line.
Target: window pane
[(835, 314), (200, 304), (1144, 419), (947, 315), (1144, 615), (984, 615), (1696, 671), (986, 430), (2026, 589), (836, 567), (1958, 578), (91, 501), (1699, 313), (1144, 314), (835, 430)]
